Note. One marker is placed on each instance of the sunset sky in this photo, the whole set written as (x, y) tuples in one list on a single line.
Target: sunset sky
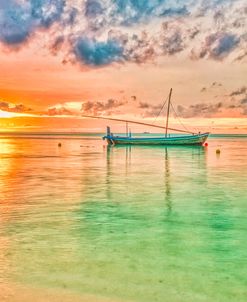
[(63, 58)]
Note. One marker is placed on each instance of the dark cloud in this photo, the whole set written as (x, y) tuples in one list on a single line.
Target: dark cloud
[(175, 11), (4, 105), (18, 108), (15, 24), (59, 111), (222, 108), (93, 8), (149, 110), (102, 32), (204, 110), (118, 47), (139, 48), (135, 11), (215, 84), (219, 17), (18, 20), (171, 39), (242, 90), (70, 16), (95, 108), (144, 105), (46, 12), (56, 45), (93, 52), (244, 100), (199, 110), (118, 13), (193, 32), (224, 45), (241, 56), (217, 46)]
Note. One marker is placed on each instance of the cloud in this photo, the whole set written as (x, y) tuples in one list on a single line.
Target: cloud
[(15, 23), (199, 110), (4, 105), (175, 11), (97, 53), (171, 39), (46, 12), (56, 45), (20, 19), (244, 100), (117, 47), (130, 12), (97, 33), (20, 108), (216, 46), (228, 106), (241, 56), (150, 110), (225, 43), (144, 105), (211, 87), (215, 84), (59, 111), (96, 108), (93, 8), (195, 110), (242, 90)]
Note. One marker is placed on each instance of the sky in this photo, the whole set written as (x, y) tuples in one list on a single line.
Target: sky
[(61, 59)]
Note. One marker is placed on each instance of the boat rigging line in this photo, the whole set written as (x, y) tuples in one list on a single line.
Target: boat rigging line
[(135, 122), (160, 111), (177, 116)]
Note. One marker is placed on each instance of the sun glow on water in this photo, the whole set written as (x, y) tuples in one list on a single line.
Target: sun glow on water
[(125, 223)]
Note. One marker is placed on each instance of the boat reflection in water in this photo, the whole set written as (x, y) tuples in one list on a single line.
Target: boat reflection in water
[(127, 223), (158, 167)]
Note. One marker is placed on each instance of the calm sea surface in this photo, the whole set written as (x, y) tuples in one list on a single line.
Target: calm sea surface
[(137, 224)]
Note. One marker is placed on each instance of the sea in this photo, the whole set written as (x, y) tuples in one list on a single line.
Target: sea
[(81, 221)]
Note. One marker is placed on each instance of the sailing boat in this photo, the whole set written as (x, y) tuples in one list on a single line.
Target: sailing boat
[(191, 139)]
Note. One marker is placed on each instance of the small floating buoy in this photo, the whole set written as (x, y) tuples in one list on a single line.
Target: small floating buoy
[(206, 144), (217, 151), (59, 145)]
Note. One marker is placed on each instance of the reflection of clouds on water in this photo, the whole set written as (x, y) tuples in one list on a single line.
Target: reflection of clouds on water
[(127, 222)]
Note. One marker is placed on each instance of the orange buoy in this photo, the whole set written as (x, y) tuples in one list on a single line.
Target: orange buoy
[(217, 151), (59, 145), (206, 144)]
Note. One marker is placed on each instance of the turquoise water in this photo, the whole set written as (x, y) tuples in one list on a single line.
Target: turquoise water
[(136, 224)]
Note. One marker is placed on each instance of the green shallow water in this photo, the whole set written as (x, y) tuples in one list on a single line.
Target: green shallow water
[(137, 224)]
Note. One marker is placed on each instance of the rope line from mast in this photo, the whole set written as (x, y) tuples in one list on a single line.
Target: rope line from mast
[(177, 116), (160, 111), (134, 122), (181, 123)]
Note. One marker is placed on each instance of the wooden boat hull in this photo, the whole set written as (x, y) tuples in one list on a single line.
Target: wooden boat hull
[(197, 139)]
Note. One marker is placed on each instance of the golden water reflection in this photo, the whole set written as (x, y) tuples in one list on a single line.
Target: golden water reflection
[(123, 222)]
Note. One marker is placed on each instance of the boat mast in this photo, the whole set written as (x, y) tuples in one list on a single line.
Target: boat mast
[(168, 110), (127, 130)]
